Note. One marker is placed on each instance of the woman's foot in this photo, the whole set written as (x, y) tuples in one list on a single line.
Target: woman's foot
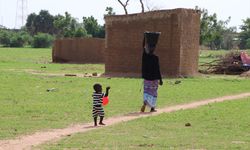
[(153, 110), (102, 124), (143, 108)]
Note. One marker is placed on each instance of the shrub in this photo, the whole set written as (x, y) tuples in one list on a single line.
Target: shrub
[(248, 43), (14, 38), (5, 38), (80, 32), (42, 40), (16, 41)]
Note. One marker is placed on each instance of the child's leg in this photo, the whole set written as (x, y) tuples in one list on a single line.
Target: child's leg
[(94, 113), (101, 119), (95, 121), (101, 114)]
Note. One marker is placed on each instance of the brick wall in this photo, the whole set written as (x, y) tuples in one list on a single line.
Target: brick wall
[(78, 50), (178, 45)]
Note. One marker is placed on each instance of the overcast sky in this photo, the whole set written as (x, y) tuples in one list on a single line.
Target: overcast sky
[(237, 9)]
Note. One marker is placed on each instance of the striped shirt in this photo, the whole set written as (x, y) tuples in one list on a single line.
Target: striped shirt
[(97, 104), (97, 98)]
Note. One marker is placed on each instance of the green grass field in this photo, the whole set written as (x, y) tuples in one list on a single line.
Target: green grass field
[(208, 56), (34, 60), (31, 103), (215, 126)]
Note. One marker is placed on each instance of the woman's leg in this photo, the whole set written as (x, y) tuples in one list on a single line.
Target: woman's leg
[(143, 107)]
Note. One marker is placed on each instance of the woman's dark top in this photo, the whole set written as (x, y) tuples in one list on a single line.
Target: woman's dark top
[(150, 67)]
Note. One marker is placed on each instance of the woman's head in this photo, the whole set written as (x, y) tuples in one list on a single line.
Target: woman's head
[(150, 41)]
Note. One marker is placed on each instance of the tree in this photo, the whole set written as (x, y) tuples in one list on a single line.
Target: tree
[(229, 40), (110, 11), (67, 26), (43, 22), (101, 31), (30, 23), (245, 34), (207, 27), (213, 33), (93, 28)]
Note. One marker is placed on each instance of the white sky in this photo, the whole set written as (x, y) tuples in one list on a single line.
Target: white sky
[(237, 9)]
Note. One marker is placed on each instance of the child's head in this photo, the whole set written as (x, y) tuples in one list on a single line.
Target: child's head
[(97, 87)]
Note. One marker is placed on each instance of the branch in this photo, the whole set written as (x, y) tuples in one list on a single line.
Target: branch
[(142, 6), (124, 6)]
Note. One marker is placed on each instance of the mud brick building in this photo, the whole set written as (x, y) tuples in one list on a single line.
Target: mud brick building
[(78, 50), (178, 45)]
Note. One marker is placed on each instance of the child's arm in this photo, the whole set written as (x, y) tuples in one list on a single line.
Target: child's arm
[(107, 91)]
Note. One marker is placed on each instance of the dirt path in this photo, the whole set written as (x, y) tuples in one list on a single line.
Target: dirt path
[(28, 141)]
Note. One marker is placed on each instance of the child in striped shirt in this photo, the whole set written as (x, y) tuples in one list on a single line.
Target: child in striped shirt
[(97, 103)]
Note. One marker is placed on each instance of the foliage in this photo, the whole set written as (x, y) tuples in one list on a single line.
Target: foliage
[(66, 25), (230, 39), (214, 33), (245, 34), (30, 25), (42, 40), (110, 11), (80, 32), (16, 41), (14, 38), (5, 38), (43, 22), (93, 28)]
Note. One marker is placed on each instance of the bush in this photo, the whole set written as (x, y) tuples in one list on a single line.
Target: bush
[(16, 41), (5, 38), (42, 40), (248, 43), (80, 32), (14, 38), (26, 37)]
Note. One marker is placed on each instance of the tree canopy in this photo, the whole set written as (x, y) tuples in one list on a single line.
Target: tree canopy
[(245, 34), (214, 33), (64, 25)]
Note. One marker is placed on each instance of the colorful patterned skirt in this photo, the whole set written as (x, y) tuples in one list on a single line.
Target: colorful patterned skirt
[(150, 92)]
